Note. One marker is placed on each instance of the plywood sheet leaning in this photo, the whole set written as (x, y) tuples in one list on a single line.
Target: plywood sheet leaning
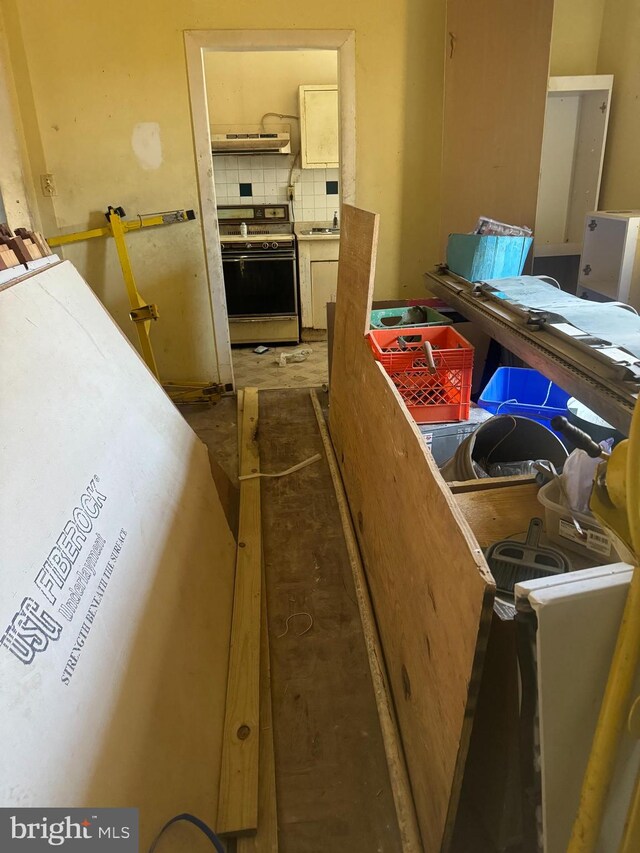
[(117, 572), (496, 72), (431, 590), (238, 799)]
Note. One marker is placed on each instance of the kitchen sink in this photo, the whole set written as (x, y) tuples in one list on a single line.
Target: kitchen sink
[(322, 231)]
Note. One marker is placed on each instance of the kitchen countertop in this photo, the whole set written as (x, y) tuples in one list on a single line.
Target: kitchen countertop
[(307, 226)]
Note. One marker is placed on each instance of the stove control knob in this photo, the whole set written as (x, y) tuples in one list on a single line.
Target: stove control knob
[(265, 245), (274, 245), (249, 246), (222, 246)]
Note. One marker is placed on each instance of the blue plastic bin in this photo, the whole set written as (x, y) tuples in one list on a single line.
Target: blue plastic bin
[(479, 257), (522, 391)]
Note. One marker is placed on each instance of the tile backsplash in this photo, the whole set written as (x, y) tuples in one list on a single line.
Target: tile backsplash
[(264, 178)]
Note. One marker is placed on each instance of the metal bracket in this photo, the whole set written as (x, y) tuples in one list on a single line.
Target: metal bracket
[(144, 313), (188, 393)]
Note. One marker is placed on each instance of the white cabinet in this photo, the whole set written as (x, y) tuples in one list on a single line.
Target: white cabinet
[(318, 277), (575, 130), (319, 126), (324, 282), (610, 262)]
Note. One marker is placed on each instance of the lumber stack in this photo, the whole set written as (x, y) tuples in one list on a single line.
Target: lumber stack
[(21, 247)]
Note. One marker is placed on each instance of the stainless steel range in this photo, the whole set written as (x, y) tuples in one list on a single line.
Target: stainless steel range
[(260, 272)]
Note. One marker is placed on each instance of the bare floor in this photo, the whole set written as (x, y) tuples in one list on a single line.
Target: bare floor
[(332, 780), (264, 371)]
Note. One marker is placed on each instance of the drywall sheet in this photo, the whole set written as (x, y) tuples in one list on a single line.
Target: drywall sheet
[(578, 616), (117, 571), (431, 589)]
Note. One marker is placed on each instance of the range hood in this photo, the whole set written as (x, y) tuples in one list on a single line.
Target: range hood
[(255, 142)]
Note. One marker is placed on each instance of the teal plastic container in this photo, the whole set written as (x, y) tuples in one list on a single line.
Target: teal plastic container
[(414, 315), (480, 257)]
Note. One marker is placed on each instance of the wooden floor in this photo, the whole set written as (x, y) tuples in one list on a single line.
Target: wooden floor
[(331, 775)]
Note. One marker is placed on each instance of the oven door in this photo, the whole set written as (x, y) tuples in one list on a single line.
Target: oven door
[(260, 285)]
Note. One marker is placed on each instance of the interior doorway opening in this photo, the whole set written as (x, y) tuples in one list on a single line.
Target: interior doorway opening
[(250, 80)]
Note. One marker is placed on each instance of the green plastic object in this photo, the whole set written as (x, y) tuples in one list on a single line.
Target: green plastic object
[(414, 315), (481, 257)]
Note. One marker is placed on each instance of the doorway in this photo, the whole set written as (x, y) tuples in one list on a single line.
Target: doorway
[(241, 53)]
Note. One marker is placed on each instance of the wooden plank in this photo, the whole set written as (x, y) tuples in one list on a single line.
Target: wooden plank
[(132, 681), (238, 798), (405, 808), (496, 514), (459, 486), (266, 838), (431, 589), (496, 71)]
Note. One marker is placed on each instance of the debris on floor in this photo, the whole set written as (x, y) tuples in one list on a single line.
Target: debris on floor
[(295, 356)]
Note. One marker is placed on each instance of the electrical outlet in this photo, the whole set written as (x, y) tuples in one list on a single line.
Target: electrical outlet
[(291, 192), (48, 185)]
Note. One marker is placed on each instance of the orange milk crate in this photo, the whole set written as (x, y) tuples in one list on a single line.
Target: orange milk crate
[(431, 366)]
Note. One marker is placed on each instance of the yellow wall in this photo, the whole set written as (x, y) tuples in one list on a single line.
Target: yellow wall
[(603, 37), (87, 73), (620, 55), (243, 86), (576, 36), (15, 184)]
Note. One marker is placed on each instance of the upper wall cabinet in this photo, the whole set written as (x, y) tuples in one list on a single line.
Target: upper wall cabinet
[(575, 130), (319, 126)]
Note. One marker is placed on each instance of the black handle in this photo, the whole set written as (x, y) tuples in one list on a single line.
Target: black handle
[(577, 436)]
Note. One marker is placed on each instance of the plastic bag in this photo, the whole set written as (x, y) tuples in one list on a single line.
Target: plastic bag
[(297, 355), (577, 477)]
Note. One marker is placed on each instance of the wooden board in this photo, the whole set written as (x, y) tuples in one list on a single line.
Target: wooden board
[(496, 70), (499, 513), (266, 838), (238, 799), (459, 486), (431, 589), (331, 773), (133, 715)]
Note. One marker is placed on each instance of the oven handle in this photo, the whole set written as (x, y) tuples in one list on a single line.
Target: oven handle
[(237, 258)]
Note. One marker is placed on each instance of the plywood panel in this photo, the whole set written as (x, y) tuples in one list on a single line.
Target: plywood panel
[(501, 512), (496, 70), (114, 545), (430, 587)]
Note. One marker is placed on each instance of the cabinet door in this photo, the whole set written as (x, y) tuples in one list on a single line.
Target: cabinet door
[(324, 282), (496, 72), (319, 126)]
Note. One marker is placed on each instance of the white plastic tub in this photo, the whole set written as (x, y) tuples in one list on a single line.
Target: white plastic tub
[(561, 529)]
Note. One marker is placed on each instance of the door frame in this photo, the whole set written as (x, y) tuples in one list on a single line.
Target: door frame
[(196, 43)]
